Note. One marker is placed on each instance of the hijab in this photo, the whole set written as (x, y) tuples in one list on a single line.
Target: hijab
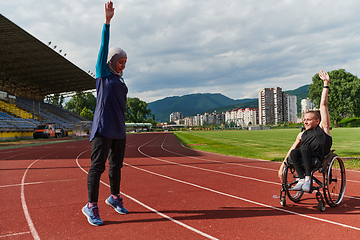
[(113, 57)]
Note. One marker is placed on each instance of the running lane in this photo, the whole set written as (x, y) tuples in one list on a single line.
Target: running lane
[(172, 192)]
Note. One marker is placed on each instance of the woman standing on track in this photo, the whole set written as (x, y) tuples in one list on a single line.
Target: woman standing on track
[(316, 141), (108, 134)]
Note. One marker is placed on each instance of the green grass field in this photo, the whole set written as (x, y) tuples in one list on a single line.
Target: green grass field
[(266, 144)]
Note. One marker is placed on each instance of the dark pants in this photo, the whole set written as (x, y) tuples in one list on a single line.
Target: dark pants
[(102, 148), (306, 153)]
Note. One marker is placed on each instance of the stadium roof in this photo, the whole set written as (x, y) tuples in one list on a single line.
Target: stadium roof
[(31, 69)]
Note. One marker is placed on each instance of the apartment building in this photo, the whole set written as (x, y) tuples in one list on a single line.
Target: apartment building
[(306, 105), (175, 116), (205, 119), (292, 108), (251, 116), (275, 106), (242, 117)]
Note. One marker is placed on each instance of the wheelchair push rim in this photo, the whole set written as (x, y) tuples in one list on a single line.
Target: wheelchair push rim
[(294, 196), (334, 181)]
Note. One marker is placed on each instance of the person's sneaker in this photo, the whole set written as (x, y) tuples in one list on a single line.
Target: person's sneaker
[(299, 185), (306, 186), (92, 215), (118, 205)]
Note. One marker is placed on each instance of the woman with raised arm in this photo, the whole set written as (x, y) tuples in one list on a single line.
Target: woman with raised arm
[(316, 141), (108, 134)]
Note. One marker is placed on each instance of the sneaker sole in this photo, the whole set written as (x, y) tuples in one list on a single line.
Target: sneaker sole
[(88, 218), (107, 202)]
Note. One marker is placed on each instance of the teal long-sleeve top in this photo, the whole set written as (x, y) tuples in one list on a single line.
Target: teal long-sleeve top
[(109, 116)]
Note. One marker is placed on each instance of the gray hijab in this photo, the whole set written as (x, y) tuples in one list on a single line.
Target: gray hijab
[(113, 57)]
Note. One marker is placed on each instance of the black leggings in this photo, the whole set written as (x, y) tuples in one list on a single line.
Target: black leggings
[(101, 146), (306, 153)]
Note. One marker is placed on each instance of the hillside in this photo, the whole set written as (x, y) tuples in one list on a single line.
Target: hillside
[(243, 103), (190, 104), (199, 103)]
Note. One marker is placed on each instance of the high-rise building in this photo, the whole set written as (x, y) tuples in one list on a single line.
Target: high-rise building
[(292, 108), (176, 116), (275, 106), (306, 105)]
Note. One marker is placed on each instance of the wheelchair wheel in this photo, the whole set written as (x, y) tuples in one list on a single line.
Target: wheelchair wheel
[(334, 181), (289, 182), (321, 206), (283, 200)]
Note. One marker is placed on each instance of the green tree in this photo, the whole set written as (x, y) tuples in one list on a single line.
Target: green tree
[(152, 120), (57, 100), (86, 113), (137, 111), (81, 100), (343, 99)]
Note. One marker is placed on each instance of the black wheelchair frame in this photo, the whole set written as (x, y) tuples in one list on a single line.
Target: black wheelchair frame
[(333, 181)]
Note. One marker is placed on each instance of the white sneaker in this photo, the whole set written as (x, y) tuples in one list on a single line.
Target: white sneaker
[(299, 185), (306, 186)]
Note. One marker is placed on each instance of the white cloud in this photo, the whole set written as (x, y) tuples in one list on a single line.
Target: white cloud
[(179, 47)]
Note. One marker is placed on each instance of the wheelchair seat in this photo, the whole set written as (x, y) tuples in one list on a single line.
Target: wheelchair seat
[(315, 162)]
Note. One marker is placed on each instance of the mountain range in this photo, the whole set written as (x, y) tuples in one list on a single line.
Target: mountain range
[(199, 103)]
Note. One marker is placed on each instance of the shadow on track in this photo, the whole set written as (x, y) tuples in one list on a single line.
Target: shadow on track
[(240, 212)]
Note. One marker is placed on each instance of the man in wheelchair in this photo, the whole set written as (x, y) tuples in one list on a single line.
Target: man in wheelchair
[(314, 142)]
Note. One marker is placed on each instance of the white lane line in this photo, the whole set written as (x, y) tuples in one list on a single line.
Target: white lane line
[(348, 180), (218, 154), (208, 160), (23, 201), (9, 158), (34, 183), (205, 169), (24, 206), (234, 175), (357, 198), (245, 200), (14, 234), (350, 170), (237, 164), (15, 185), (152, 209), (229, 195)]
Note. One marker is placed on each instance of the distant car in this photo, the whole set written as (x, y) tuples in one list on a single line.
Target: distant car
[(46, 131)]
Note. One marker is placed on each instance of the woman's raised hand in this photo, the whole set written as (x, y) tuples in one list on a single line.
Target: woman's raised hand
[(109, 12)]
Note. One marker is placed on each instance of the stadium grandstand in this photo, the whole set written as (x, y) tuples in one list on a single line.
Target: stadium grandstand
[(29, 71)]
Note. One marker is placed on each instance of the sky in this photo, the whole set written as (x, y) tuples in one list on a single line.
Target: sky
[(179, 47)]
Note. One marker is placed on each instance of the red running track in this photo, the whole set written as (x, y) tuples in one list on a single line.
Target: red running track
[(172, 192)]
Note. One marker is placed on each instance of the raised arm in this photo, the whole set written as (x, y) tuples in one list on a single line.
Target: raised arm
[(101, 66), (324, 111), (109, 12)]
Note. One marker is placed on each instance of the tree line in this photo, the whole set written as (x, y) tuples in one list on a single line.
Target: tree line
[(84, 104), (343, 100)]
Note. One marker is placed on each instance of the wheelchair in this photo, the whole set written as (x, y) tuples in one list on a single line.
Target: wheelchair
[(331, 186)]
